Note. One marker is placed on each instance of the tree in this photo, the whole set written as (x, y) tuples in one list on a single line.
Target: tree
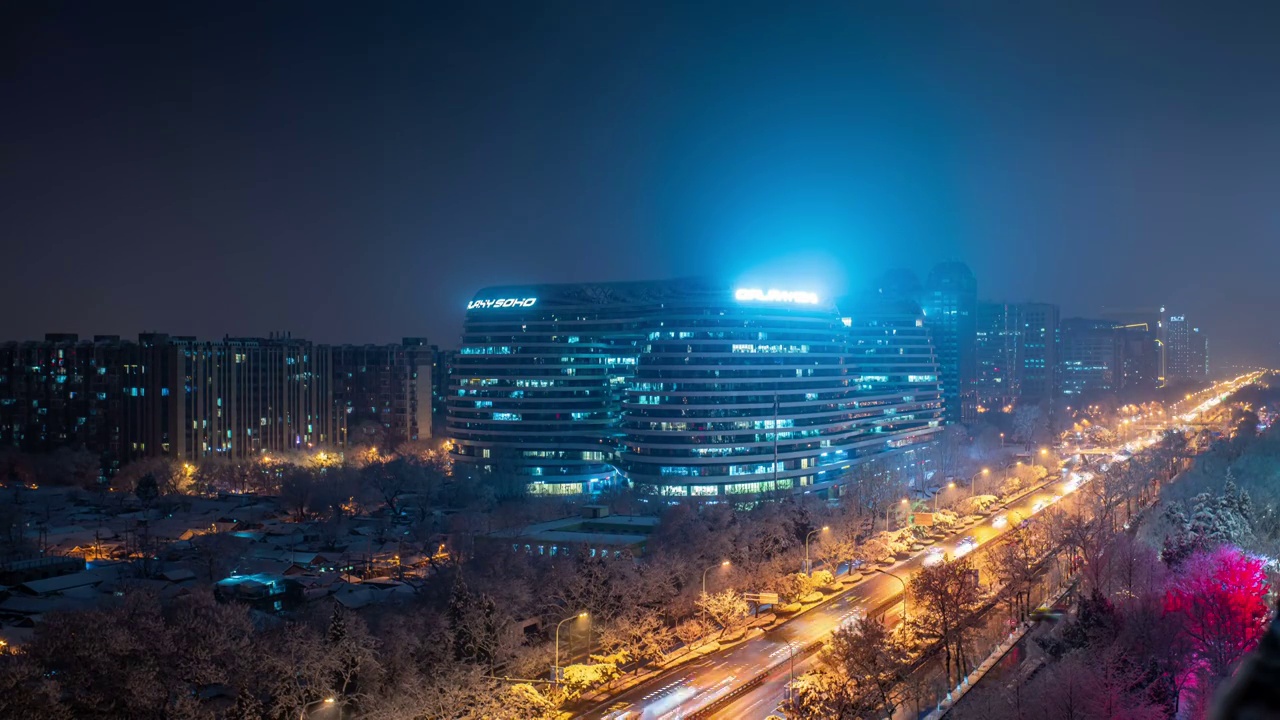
[(793, 587), (950, 451), (872, 660), (1014, 562), (1029, 423), (691, 631), (1221, 597), (945, 597), (641, 634), (147, 490), (297, 487), (350, 645), (728, 609), (393, 479)]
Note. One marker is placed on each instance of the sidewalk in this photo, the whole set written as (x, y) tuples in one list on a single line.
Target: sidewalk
[(996, 655)]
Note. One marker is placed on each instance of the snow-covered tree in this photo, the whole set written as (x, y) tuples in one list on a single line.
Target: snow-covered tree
[(728, 609)]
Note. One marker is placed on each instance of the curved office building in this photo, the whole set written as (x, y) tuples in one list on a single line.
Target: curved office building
[(534, 388), (894, 372), (686, 388), (738, 392)]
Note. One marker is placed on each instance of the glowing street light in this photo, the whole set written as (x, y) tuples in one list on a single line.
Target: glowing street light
[(724, 563), (556, 670), (808, 569), (950, 486)]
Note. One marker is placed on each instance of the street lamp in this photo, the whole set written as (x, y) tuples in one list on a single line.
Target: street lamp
[(973, 481), (723, 563), (556, 670), (308, 706), (1001, 441), (807, 569), (1044, 452), (904, 592), (950, 486)]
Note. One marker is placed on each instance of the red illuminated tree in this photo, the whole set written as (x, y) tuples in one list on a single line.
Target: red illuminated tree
[(1219, 596)]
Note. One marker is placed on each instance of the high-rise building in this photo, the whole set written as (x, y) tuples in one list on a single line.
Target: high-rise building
[(998, 340), (894, 368), (1178, 353), (245, 396), (109, 396), (536, 385), (167, 396), (1143, 336), (1199, 354), (1092, 358), (685, 388), (950, 308), (1186, 351), (441, 368), (1039, 354), (385, 391)]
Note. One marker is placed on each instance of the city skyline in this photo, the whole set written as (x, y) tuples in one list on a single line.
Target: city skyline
[(167, 183)]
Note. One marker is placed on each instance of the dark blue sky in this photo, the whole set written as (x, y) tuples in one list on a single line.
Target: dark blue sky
[(355, 171)]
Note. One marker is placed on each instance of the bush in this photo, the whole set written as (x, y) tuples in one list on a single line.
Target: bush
[(823, 578)]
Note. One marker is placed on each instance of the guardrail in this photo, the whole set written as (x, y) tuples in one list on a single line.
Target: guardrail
[(756, 681)]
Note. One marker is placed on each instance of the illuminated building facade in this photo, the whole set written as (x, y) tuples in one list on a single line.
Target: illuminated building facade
[(109, 396), (1092, 358), (897, 401), (167, 396), (950, 305), (241, 397), (1039, 355), (685, 388), (1186, 349), (536, 386), (998, 355)]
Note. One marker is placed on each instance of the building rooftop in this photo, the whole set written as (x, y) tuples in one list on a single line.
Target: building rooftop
[(611, 530)]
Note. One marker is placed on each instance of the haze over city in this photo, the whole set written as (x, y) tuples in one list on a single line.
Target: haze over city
[(357, 173), (546, 360)]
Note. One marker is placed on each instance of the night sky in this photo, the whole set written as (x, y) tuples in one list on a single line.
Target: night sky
[(354, 172)]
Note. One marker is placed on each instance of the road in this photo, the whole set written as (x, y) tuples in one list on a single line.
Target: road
[(687, 688), (683, 690), (764, 700)]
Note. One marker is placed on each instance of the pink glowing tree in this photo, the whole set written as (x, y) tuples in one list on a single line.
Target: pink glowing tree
[(1219, 597)]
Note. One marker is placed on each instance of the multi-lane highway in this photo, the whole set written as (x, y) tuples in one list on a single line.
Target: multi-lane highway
[(684, 690), (690, 687)]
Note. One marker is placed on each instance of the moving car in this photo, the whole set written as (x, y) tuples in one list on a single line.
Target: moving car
[(966, 546)]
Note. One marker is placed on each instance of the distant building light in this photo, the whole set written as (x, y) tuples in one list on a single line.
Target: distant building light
[(501, 303), (789, 296)]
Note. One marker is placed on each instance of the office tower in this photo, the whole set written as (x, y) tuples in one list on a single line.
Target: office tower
[(998, 341), (1092, 358), (1039, 354), (1178, 359), (1199, 355), (684, 388), (1142, 334), (950, 309)]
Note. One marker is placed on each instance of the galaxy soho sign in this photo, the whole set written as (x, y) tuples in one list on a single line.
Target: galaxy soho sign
[(775, 296), (501, 303)]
